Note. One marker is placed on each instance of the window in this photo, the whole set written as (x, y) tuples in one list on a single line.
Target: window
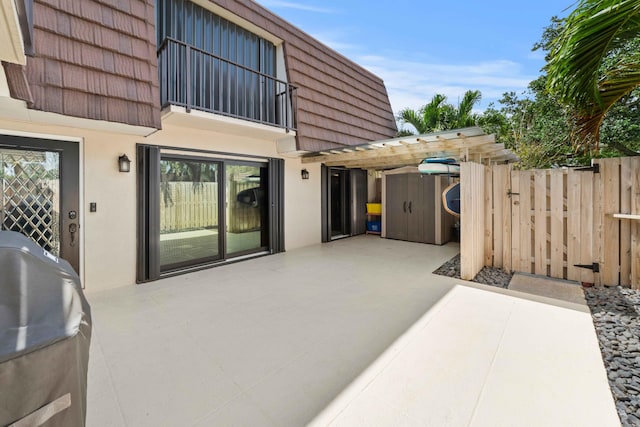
[(192, 24), (211, 64)]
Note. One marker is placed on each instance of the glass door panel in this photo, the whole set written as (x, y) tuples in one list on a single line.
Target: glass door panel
[(30, 195), (189, 212), (247, 213), (340, 211)]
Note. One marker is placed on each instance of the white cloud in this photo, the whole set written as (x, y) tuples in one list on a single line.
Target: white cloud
[(537, 55), (335, 40), (412, 83), (295, 5)]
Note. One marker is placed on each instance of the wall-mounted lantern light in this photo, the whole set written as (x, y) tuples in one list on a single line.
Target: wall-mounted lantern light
[(124, 164), (304, 173)]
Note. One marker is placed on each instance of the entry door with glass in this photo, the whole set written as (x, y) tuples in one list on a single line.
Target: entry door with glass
[(39, 193)]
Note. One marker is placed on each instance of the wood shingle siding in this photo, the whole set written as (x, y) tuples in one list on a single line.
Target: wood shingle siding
[(339, 102), (20, 88), (95, 59)]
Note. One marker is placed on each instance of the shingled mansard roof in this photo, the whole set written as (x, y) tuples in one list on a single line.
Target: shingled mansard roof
[(96, 59)]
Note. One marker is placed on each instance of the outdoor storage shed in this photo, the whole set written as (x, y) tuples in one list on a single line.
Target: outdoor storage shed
[(412, 207), (45, 330)]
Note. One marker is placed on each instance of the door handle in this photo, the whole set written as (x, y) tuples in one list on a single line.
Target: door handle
[(404, 206), (409, 207), (73, 229)]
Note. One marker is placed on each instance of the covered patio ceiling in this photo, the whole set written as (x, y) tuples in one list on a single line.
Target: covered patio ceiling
[(468, 144)]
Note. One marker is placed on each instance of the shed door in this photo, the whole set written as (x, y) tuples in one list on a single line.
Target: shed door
[(396, 207)]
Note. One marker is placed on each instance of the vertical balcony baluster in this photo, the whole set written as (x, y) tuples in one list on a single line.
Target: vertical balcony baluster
[(196, 79)]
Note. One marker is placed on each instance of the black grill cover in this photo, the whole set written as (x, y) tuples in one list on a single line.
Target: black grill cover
[(45, 331)]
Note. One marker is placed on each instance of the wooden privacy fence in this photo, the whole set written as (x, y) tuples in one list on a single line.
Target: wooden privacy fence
[(192, 206), (188, 206), (578, 224)]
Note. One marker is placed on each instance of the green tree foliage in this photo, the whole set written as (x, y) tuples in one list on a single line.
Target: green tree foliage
[(439, 115), (620, 129), (594, 62), (533, 125)]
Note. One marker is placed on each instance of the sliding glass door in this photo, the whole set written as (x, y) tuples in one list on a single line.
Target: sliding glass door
[(247, 212), (189, 212), (202, 208)]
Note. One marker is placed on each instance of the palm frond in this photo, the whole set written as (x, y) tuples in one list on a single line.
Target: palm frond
[(469, 100), (592, 34), (412, 117)]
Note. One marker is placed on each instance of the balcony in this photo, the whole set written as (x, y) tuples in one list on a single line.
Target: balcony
[(195, 79)]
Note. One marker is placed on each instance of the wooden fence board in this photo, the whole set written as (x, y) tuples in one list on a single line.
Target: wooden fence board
[(472, 216), (609, 238), (556, 254), (526, 240), (626, 181), (499, 214), (597, 236), (573, 224), (516, 264), (540, 222), (479, 233), (585, 237), (507, 218), (635, 226), (488, 218)]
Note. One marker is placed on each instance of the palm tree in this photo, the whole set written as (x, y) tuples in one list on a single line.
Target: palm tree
[(465, 116), (438, 115), (595, 60)]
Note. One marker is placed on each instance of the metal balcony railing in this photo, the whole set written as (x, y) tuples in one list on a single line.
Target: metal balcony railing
[(195, 79)]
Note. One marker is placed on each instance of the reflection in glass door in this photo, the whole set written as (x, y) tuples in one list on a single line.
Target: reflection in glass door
[(247, 211), (189, 212), (30, 195)]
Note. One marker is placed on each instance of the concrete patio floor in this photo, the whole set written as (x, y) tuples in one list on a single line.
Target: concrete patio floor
[(354, 332)]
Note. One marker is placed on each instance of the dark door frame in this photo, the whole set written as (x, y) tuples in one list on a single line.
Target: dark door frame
[(353, 204), (70, 213), (148, 167), (221, 215)]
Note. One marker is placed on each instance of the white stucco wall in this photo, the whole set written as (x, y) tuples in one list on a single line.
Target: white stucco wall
[(109, 236), (303, 215)]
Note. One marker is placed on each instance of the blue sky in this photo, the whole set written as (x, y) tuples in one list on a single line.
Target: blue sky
[(421, 48)]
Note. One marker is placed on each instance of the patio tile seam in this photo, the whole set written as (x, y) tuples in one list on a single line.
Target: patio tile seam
[(492, 364), (111, 380), (223, 405), (271, 373)]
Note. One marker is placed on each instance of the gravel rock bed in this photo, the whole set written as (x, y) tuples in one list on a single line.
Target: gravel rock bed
[(487, 276), (616, 317)]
